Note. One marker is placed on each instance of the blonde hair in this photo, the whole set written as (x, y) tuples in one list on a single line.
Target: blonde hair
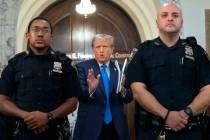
[(103, 37)]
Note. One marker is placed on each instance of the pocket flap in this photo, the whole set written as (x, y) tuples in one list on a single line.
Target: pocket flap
[(24, 75)]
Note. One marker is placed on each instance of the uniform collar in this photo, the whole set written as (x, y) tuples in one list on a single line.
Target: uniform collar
[(159, 43), (107, 64), (29, 52)]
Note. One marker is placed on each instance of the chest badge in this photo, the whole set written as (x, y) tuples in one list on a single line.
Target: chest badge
[(189, 53), (57, 67)]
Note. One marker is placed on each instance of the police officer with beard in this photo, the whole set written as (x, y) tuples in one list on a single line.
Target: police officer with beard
[(38, 88), (170, 80), (2, 128)]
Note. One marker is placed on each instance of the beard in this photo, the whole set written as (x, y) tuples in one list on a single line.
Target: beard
[(38, 49), (170, 32)]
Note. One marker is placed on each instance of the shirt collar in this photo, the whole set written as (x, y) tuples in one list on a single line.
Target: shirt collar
[(159, 42), (107, 64)]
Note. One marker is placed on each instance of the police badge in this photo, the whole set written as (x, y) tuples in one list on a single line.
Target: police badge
[(57, 67), (189, 52), (133, 52)]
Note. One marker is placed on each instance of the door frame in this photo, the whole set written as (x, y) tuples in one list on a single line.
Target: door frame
[(142, 13)]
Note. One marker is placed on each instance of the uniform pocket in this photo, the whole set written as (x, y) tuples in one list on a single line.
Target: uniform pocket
[(23, 75), (155, 68), (24, 82), (189, 70), (154, 64)]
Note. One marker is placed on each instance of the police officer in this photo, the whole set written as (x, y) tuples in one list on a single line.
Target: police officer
[(208, 123), (170, 79), (38, 87), (2, 128)]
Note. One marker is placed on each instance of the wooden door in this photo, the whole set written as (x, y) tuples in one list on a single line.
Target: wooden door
[(73, 33)]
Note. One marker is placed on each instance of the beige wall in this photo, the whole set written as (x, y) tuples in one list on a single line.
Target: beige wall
[(194, 19)]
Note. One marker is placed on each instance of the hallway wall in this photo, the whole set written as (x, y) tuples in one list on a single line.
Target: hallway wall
[(194, 19), (8, 21)]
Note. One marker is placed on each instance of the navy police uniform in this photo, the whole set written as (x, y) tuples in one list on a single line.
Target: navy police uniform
[(2, 128), (39, 83), (174, 76)]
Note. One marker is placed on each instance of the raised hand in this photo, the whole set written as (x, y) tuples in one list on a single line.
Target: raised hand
[(92, 81)]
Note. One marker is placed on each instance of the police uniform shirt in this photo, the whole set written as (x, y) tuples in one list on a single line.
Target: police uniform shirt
[(173, 75), (39, 82)]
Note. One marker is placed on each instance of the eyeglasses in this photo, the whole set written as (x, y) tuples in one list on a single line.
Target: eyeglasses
[(37, 30)]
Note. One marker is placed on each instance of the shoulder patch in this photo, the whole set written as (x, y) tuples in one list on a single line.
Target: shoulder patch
[(191, 40), (133, 52)]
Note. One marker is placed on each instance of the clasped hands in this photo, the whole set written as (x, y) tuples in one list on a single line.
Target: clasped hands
[(36, 121), (177, 120)]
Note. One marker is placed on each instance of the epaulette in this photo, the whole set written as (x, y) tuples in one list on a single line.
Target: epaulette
[(147, 42), (62, 56), (151, 43), (191, 40), (17, 56), (20, 54), (136, 49)]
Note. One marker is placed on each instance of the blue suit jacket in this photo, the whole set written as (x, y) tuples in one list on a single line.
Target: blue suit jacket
[(91, 110)]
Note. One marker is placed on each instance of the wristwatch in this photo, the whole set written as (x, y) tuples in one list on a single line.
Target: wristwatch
[(50, 117), (188, 111)]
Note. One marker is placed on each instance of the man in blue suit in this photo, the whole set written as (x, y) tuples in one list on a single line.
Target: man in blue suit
[(101, 114)]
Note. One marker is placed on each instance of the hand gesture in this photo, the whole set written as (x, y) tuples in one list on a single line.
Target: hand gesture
[(177, 120), (92, 81)]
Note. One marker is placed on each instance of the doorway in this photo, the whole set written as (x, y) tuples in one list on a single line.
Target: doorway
[(73, 34)]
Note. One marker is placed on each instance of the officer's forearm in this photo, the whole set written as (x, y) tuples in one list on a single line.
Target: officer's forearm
[(201, 101), (8, 108), (67, 107), (147, 100)]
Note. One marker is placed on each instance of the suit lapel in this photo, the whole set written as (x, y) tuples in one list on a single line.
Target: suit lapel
[(113, 77), (97, 71)]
